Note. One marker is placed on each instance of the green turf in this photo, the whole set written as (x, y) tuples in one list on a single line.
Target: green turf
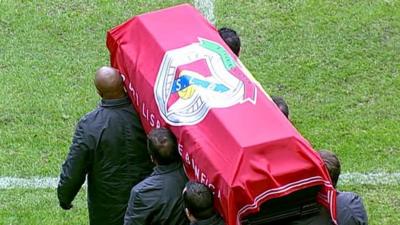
[(18, 206), (336, 62), (34, 207)]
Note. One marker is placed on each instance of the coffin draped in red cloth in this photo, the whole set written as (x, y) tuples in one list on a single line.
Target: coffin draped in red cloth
[(179, 73)]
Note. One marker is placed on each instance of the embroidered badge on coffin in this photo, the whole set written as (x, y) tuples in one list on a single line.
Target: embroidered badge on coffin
[(184, 97)]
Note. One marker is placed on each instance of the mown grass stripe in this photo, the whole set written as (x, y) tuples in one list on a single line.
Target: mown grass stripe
[(345, 179)]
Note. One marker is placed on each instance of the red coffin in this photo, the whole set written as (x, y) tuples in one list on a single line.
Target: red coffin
[(179, 73)]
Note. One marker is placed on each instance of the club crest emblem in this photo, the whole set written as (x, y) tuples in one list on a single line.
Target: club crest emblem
[(198, 77)]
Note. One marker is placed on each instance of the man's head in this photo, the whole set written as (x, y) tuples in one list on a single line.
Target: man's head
[(281, 105), (162, 146), (231, 38), (332, 164), (198, 200), (109, 83)]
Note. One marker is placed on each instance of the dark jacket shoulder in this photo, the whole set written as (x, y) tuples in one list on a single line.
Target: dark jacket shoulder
[(158, 198), (214, 220), (350, 209)]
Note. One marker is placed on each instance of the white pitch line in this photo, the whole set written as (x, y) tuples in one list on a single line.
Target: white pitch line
[(345, 179), (206, 7), (369, 178), (26, 183)]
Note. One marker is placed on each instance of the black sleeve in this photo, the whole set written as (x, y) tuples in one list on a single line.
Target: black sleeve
[(75, 167)]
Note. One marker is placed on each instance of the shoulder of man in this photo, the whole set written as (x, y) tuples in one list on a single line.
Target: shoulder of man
[(89, 116), (88, 120), (350, 204), (349, 199), (149, 184), (147, 192)]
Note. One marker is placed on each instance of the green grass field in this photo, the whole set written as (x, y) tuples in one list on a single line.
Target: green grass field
[(337, 63)]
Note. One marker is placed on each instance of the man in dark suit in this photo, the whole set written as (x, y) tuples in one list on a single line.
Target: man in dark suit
[(109, 147), (157, 200)]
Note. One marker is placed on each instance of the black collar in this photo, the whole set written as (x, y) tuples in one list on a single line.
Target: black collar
[(162, 169), (114, 102)]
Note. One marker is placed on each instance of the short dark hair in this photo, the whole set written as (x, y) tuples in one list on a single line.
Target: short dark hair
[(198, 199), (332, 163), (280, 102), (162, 146), (231, 38)]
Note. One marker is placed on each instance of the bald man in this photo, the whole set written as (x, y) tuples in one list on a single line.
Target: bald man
[(109, 148)]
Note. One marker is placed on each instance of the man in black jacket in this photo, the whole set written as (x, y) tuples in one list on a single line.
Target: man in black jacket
[(349, 206), (157, 200), (109, 147), (199, 205)]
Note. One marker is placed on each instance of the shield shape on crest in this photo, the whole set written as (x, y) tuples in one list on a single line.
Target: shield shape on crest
[(185, 96)]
